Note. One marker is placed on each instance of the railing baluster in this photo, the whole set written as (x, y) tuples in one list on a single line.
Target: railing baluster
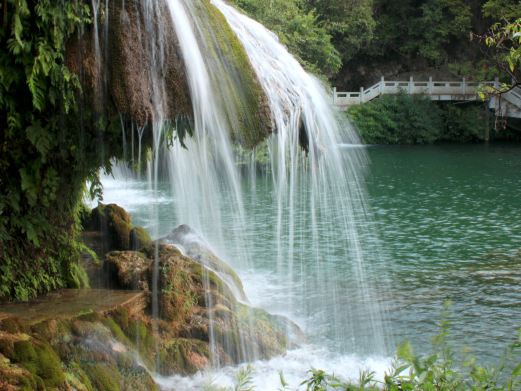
[(437, 90)]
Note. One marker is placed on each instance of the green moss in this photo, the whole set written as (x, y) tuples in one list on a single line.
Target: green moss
[(251, 123), (40, 360), (78, 380), (177, 356), (139, 238), (103, 377), (116, 331), (139, 333), (18, 377)]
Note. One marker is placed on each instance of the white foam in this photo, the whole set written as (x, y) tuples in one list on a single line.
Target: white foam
[(294, 365)]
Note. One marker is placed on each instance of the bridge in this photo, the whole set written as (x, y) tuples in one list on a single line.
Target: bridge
[(506, 105)]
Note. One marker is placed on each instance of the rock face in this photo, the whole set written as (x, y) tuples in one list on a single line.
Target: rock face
[(195, 247), (119, 61), (196, 306), (108, 228), (73, 340), (201, 306), (130, 65)]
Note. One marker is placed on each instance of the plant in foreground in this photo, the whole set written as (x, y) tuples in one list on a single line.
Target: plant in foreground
[(438, 371)]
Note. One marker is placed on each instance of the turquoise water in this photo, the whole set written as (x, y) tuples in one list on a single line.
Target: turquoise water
[(448, 228), (449, 218)]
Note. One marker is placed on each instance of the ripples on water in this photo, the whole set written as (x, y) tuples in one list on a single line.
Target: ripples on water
[(449, 222)]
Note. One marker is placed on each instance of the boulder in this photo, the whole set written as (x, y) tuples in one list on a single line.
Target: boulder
[(194, 246), (128, 270), (139, 238), (196, 306), (114, 224)]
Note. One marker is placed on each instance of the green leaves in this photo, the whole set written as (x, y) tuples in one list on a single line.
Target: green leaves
[(36, 93), (299, 29), (40, 138), (505, 40)]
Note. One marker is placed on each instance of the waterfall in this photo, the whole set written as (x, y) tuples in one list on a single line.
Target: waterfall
[(315, 183), (329, 179)]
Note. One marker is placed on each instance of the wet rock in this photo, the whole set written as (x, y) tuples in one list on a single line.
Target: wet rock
[(119, 75), (72, 340), (195, 247), (202, 316), (138, 70), (113, 225), (195, 304), (139, 238), (129, 269)]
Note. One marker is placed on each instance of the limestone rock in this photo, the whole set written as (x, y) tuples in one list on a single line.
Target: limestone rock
[(195, 247), (114, 224)]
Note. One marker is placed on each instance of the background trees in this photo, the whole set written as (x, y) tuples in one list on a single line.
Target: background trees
[(354, 42)]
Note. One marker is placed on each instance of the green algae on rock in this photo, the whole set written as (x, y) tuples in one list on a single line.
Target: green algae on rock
[(62, 342), (196, 305), (244, 102)]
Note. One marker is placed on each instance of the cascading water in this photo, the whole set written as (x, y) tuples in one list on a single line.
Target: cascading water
[(315, 183), (321, 182)]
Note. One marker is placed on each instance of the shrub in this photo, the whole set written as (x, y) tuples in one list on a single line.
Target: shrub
[(400, 119), (408, 119)]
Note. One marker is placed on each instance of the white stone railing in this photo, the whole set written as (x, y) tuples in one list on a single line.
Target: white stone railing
[(437, 90)]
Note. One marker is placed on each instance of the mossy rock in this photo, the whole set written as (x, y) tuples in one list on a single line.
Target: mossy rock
[(41, 361), (139, 238), (115, 224), (184, 356), (103, 377), (250, 118), (195, 247), (13, 377), (129, 269)]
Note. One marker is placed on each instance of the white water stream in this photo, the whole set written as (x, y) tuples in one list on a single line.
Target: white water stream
[(316, 189)]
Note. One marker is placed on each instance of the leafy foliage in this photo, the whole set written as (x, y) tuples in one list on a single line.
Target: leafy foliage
[(350, 23), (298, 29), (505, 38), (409, 119), (46, 147), (502, 9)]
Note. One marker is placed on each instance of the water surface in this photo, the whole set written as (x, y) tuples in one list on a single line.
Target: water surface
[(448, 228)]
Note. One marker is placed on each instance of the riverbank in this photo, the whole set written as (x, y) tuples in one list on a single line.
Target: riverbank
[(404, 119)]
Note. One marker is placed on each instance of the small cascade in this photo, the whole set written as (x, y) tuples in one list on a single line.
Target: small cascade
[(239, 93), (313, 178), (203, 174)]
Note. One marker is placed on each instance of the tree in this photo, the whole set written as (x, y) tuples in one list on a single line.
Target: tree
[(504, 38), (349, 22), (298, 28)]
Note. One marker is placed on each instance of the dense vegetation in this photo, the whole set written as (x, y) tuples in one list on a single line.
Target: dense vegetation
[(50, 145), (39, 137), (357, 41), (406, 119)]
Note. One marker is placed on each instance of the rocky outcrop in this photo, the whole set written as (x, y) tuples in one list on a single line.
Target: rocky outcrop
[(130, 64), (73, 340), (202, 315), (194, 246), (243, 100), (196, 306), (173, 311), (133, 63)]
